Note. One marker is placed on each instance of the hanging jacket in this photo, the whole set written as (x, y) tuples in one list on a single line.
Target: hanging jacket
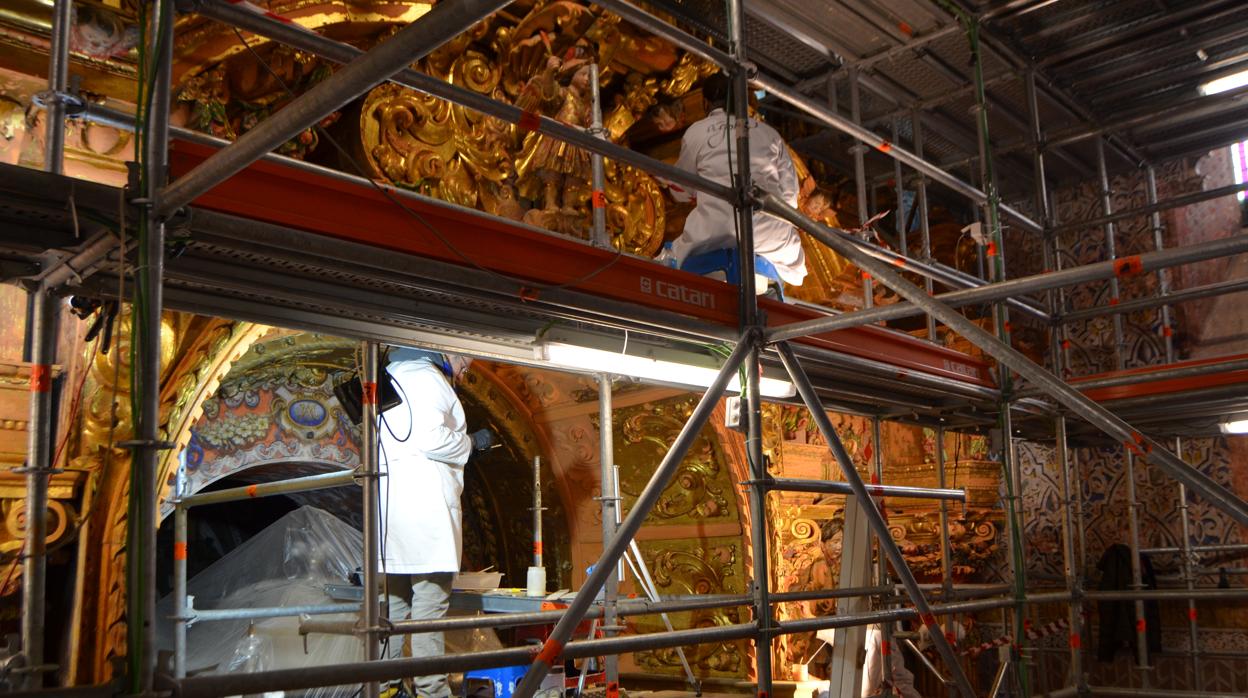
[(420, 508), (708, 150), (1117, 618)]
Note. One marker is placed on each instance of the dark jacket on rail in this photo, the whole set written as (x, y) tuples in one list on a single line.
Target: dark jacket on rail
[(1117, 627)]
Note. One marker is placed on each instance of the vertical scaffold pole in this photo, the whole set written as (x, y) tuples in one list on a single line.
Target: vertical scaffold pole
[(42, 331), (1111, 249), (860, 176), (1167, 332), (598, 197), (610, 514), (180, 610), (886, 628), (58, 87), (744, 210), (141, 529), (370, 611), (925, 232)]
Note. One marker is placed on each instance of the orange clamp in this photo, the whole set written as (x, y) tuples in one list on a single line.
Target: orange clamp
[(179, 551), (599, 199), (865, 276), (1167, 331), (1191, 614), (885, 146), (613, 689), (1075, 641), (1140, 626), (537, 547), (899, 261), (992, 249), (1126, 266), (369, 396), (251, 490), (40, 378), (885, 647), (550, 652)]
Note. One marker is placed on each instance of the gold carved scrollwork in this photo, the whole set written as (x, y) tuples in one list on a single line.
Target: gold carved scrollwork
[(539, 64), (707, 566), (702, 486)]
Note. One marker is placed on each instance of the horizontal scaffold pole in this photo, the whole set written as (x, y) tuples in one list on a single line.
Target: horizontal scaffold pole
[(1135, 265), (391, 669)]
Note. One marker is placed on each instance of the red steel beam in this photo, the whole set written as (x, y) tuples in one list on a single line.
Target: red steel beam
[(348, 210)]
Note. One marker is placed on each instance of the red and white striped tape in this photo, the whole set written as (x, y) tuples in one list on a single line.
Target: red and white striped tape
[(1030, 633)]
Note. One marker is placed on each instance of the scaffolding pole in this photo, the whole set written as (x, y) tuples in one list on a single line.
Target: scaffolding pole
[(874, 518), (1111, 248), (57, 98), (1025, 285), (370, 605), (1165, 317), (38, 470), (925, 232), (1076, 402), (148, 446), (859, 151), (413, 42), (554, 646), (610, 503)]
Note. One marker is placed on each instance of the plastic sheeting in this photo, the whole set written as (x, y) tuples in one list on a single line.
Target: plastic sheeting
[(287, 564)]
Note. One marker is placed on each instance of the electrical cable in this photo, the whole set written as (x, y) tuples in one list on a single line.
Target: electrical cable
[(525, 289)]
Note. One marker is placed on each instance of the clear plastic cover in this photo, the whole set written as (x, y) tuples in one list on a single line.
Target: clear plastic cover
[(287, 564)]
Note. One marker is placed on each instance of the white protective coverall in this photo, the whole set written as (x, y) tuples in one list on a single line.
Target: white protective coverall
[(705, 150), (424, 452), (874, 677)]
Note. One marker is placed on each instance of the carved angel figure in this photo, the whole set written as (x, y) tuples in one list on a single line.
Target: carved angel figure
[(552, 161)]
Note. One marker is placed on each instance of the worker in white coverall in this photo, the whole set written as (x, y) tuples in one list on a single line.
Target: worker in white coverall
[(876, 676), (424, 447), (708, 149)]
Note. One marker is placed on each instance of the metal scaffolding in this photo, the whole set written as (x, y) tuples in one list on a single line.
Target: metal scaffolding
[(753, 342)]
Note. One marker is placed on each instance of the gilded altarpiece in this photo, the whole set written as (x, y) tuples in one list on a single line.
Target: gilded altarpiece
[(807, 529), (693, 540)]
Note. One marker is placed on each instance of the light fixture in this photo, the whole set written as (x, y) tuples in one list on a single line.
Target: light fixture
[(1235, 426), (646, 361), (1225, 83)]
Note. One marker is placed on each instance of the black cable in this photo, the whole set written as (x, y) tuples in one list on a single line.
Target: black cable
[(409, 415), (521, 283)]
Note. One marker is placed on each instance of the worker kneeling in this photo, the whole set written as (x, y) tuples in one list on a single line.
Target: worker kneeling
[(708, 149), (426, 445)]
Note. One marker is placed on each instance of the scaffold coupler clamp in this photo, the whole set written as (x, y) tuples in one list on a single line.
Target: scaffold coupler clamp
[(73, 102)]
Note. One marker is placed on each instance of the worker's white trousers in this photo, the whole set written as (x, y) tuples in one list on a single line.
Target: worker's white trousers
[(420, 597)]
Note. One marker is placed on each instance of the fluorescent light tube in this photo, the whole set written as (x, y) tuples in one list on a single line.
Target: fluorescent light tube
[(1235, 426), (1225, 83), (648, 368)]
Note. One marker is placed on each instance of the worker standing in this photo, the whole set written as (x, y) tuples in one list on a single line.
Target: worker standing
[(424, 449), (708, 149)]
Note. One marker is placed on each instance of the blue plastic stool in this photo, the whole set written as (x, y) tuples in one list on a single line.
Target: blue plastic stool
[(504, 679), (725, 260)]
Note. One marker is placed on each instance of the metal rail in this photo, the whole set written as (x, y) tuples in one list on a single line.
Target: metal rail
[(1149, 261)]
